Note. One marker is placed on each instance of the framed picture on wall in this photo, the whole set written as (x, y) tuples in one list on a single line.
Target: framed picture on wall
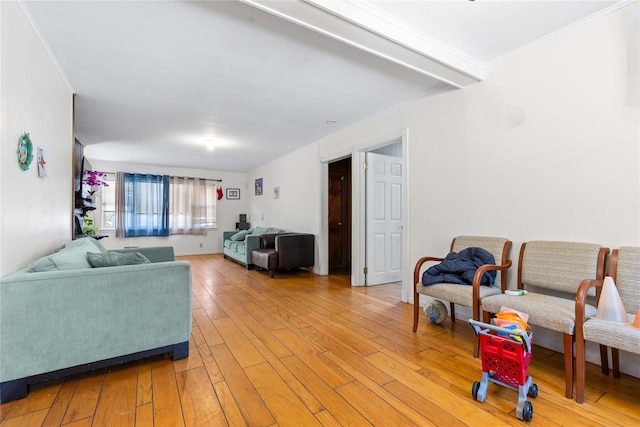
[(259, 187), (233, 193), (42, 169)]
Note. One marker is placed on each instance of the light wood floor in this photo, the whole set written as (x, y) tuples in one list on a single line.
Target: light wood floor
[(306, 350)]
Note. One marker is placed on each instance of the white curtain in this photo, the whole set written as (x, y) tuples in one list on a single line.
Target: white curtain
[(119, 204), (187, 206)]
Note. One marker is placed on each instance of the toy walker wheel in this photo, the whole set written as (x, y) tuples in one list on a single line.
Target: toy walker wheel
[(533, 390), (527, 411), (474, 390), (524, 411)]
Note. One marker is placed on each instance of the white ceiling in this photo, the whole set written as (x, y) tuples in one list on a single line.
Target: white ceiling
[(156, 80)]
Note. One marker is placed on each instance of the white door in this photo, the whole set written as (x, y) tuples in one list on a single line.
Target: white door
[(384, 219)]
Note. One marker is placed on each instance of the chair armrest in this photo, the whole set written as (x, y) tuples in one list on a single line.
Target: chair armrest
[(581, 300), (487, 267), (252, 242), (416, 270), (477, 278)]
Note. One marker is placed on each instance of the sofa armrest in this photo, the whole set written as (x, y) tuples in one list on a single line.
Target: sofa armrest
[(226, 235), (251, 242), (153, 254), (295, 250)]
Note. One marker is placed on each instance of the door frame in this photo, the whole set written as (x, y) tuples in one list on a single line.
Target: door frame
[(358, 207)]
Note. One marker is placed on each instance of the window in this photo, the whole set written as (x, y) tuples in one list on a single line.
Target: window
[(146, 205), (108, 204), (191, 205), (211, 190)]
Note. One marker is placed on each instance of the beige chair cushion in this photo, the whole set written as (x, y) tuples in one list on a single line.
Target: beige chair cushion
[(457, 294), (613, 334), (551, 312)]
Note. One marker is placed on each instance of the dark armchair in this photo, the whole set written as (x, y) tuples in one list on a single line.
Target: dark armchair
[(284, 251)]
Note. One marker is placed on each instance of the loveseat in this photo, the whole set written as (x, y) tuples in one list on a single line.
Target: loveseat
[(237, 245), (62, 315)]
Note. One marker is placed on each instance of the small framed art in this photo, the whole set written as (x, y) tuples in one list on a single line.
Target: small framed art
[(233, 193), (259, 187)]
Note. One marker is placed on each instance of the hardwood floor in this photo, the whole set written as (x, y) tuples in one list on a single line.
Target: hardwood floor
[(307, 350)]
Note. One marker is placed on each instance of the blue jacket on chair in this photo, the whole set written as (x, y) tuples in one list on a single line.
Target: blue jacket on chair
[(460, 267)]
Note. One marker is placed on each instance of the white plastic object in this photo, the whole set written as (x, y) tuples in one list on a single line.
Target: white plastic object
[(610, 306)]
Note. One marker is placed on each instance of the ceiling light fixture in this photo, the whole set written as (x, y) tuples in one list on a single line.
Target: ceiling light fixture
[(332, 122), (210, 145)]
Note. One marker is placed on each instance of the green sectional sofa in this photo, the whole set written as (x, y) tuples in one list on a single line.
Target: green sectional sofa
[(237, 245), (62, 316)]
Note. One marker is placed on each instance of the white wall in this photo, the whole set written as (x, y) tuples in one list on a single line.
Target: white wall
[(298, 207), (542, 149), (227, 212), (36, 212), (547, 147)]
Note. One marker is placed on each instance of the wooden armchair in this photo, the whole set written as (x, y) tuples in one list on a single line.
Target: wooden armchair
[(468, 296), (625, 271), (552, 272)]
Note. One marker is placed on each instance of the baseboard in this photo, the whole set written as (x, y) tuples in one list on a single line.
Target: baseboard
[(19, 388)]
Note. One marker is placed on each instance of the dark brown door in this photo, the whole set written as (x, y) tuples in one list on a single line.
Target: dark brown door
[(340, 217)]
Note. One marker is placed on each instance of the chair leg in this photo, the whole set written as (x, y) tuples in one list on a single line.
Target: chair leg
[(615, 361), (568, 365), (452, 312), (416, 309), (604, 359), (581, 370), (486, 316)]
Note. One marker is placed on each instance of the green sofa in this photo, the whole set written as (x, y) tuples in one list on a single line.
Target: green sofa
[(238, 244), (61, 316)]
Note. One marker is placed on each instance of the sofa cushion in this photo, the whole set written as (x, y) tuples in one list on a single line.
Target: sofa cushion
[(72, 257), (240, 235), (238, 247), (114, 259)]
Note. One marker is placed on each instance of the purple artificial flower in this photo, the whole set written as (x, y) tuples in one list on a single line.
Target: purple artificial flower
[(95, 179)]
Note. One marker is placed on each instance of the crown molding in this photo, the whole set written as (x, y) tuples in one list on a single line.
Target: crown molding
[(368, 28), (557, 33), (384, 24), (45, 44)]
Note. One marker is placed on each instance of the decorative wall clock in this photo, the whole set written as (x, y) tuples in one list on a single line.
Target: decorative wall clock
[(25, 151)]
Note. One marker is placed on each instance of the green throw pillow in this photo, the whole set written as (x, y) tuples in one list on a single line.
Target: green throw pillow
[(240, 235), (71, 257), (114, 259)]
